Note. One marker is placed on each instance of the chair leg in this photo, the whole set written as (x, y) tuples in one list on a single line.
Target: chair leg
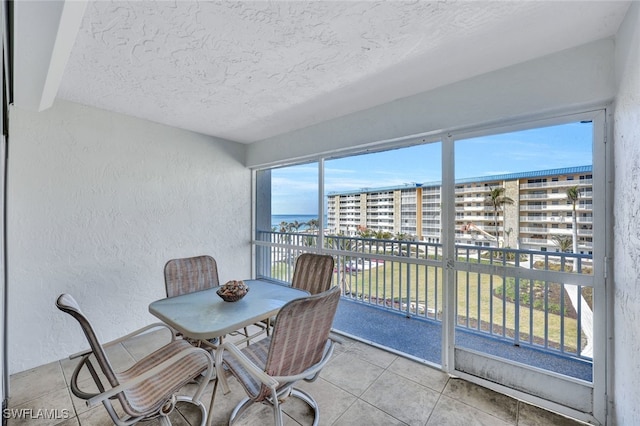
[(304, 396), (213, 398), (277, 413), (277, 409), (197, 403), (239, 409)]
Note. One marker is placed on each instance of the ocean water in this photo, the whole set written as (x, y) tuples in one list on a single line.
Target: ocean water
[(277, 219)]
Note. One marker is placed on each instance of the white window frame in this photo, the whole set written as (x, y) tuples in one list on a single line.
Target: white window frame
[(602, 225)]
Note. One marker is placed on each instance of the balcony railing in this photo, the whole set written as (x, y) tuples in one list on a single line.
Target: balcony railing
[(522, 296), (563, 183)]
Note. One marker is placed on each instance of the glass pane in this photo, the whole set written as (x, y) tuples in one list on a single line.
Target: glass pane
[(384, 224), (286, 218), (512, 190), (377, 192), (524, 202), (294, 198)]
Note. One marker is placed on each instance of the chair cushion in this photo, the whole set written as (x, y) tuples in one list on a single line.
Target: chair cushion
[(147, 395), (257, 353)]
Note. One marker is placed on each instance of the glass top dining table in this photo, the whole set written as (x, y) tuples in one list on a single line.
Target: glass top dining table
[(203, 315)]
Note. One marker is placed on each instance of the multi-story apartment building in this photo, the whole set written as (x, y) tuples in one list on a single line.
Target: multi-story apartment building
[(540, 210)]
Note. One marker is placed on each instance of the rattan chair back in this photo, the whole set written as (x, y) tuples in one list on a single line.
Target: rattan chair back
[(190, 274), (313, 272)]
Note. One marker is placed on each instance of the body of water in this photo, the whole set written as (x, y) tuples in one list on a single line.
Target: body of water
[(277, 219)]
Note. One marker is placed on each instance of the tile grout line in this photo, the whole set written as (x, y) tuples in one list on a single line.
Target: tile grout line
[(437, 401)]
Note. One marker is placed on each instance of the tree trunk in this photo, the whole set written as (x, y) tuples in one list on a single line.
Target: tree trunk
[(574, 231)]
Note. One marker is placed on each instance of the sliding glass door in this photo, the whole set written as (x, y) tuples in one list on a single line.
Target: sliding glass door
[(528, 206), (486, 243)]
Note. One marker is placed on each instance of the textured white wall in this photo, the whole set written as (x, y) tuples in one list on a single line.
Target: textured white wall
[(627, 222), (569, 79), (98, 202)]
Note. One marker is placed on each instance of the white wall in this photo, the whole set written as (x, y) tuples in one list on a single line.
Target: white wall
[(627, 222), (98, 202), (574, 78)]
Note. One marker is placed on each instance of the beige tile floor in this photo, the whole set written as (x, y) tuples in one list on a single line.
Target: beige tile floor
[(361, 385)]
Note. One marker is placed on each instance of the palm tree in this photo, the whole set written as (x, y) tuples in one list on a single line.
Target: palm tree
[(295, 225), (497, 199), (313, 224), (573, 195), (364, 232), (402, 237), (308, 241), (284, 227), (382, 235), (562, 241)]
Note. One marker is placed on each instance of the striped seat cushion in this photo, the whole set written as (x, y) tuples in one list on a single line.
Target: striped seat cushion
[(257, 353), (147, 395)]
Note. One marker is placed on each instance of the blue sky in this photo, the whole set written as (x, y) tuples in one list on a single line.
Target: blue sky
[(294, 189)]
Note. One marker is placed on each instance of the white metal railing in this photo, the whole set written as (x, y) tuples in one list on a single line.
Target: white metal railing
[(544, 242), (474, 209), (559, 231), (549, 207), (535, 230), (551, 219), (540, 241), (564, 183), (515, 295), (470, 199)]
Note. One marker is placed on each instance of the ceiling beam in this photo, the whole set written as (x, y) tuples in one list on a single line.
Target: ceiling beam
[(44, 33)]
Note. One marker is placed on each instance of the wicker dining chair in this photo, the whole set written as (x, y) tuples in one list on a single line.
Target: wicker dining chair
[(297, 350), (146, 390), (191, 274), (313, 273)]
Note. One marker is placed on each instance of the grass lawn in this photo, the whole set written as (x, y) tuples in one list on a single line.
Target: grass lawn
[(478, 305)]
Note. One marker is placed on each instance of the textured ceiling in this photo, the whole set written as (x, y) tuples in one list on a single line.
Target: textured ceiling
[(246, 71)]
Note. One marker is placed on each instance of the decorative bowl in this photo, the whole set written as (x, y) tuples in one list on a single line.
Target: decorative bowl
[(233, 291)]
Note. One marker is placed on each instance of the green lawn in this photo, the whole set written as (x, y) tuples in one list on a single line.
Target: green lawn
[(476, 300)]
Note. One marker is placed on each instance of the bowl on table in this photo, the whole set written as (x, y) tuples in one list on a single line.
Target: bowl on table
[(232, 291)]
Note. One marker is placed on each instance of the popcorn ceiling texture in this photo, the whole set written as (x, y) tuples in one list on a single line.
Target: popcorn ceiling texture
[(249, 58), (98, 202), (246, 70)]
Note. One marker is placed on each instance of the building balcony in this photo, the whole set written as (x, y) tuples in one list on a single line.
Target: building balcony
[(474, 209), (560, 184), (555, 231), (544, 242), (551, 196), (535, 230), (473, 189), (545, 219), (461, 217), (470, 199), (554, 196), (549, 207)]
